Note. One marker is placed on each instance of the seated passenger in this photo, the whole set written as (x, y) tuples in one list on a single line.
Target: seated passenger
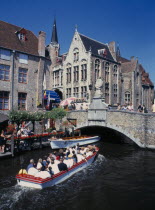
[(32, 171), (31, 165), (79, 156), (82, 150), (62, 166), (88, 153), (68, 162), (54, 167), (40, 165), (74, 157)]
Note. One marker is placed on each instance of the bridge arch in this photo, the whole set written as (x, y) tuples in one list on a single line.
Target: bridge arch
[(118, 131)]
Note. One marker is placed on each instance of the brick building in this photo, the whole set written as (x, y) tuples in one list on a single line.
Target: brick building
[(23, 68)]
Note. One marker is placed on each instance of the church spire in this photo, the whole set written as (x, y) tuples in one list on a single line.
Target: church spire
[(54, 39)]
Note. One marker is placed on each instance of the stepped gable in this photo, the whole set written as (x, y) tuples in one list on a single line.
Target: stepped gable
[(95, 46), (145, 77), (129, 66), (9, 39)]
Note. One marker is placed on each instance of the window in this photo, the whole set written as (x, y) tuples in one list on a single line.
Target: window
[(115, 71), (4, 100), (76, 54), (97, 69), (83, 92), (22, 101), (115, 93), (23, 58), (68, 75), (84, 72), (5, 54), (68, 92), (76, 92), (127, 97), (107, 72), (4, 72), (76, 73), (22, 76), (21, 36), (56, 76)]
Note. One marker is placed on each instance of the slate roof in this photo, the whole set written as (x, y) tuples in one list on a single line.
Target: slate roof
[(9, 39), (95, 46)]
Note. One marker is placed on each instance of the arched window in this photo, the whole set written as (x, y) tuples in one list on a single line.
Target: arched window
[(115, 71), (76, 54), (97, 68), (127, 97), (107, 72)]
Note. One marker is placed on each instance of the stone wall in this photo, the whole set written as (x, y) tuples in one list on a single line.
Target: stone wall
[(139, 127)]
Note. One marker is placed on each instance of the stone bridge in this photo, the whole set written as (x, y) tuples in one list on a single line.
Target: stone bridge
[(138, 127)]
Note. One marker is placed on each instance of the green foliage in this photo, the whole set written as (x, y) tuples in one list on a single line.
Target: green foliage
[(57, 113), (20, 116)]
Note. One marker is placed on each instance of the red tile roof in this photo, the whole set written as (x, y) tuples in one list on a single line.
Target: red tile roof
[(145, 77), (9, 39), (121, 59)]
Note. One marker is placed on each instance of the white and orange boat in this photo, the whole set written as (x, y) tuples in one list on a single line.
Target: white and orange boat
[(27, 180), (72, 141)]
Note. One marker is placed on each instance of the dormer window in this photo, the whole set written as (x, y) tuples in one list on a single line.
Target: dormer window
[(102, 52), (22, 34)]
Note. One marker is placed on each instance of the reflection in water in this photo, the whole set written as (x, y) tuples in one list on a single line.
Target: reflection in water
[(122, 177)]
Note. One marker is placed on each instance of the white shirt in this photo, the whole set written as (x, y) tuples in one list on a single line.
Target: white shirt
[(80, 157), (39, 165)]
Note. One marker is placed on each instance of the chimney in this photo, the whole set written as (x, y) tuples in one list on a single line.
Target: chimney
[(132, 58), (41, 43), (112, 48)]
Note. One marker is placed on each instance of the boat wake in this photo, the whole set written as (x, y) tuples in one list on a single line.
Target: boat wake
[(16, 197), (11, 195)]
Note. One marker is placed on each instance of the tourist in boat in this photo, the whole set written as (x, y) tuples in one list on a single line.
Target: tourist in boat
[(88, 153), (31, 164), (40, 166), (62, 166), (74, 157), (80, 157), (54, 166)]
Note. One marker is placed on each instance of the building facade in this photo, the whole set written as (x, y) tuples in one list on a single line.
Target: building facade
[(25, 69), (28, 69), (124, 81)]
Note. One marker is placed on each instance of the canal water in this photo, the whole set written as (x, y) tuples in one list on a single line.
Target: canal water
[(122, 177)]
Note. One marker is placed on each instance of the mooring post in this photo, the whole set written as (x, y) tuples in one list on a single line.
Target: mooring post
[(12, 145)]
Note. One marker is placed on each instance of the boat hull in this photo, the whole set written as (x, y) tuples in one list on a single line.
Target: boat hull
[(38, 183), (57, 144)]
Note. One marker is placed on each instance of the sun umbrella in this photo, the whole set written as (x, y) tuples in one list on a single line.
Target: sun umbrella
[(67, 101)]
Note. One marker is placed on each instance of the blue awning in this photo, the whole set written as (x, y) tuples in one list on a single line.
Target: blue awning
[(51, 95)]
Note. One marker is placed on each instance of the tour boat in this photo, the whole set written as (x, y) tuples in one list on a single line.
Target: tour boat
[(39, 183), (72, 141)]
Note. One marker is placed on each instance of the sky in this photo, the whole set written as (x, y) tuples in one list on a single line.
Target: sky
[(130, 23)]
